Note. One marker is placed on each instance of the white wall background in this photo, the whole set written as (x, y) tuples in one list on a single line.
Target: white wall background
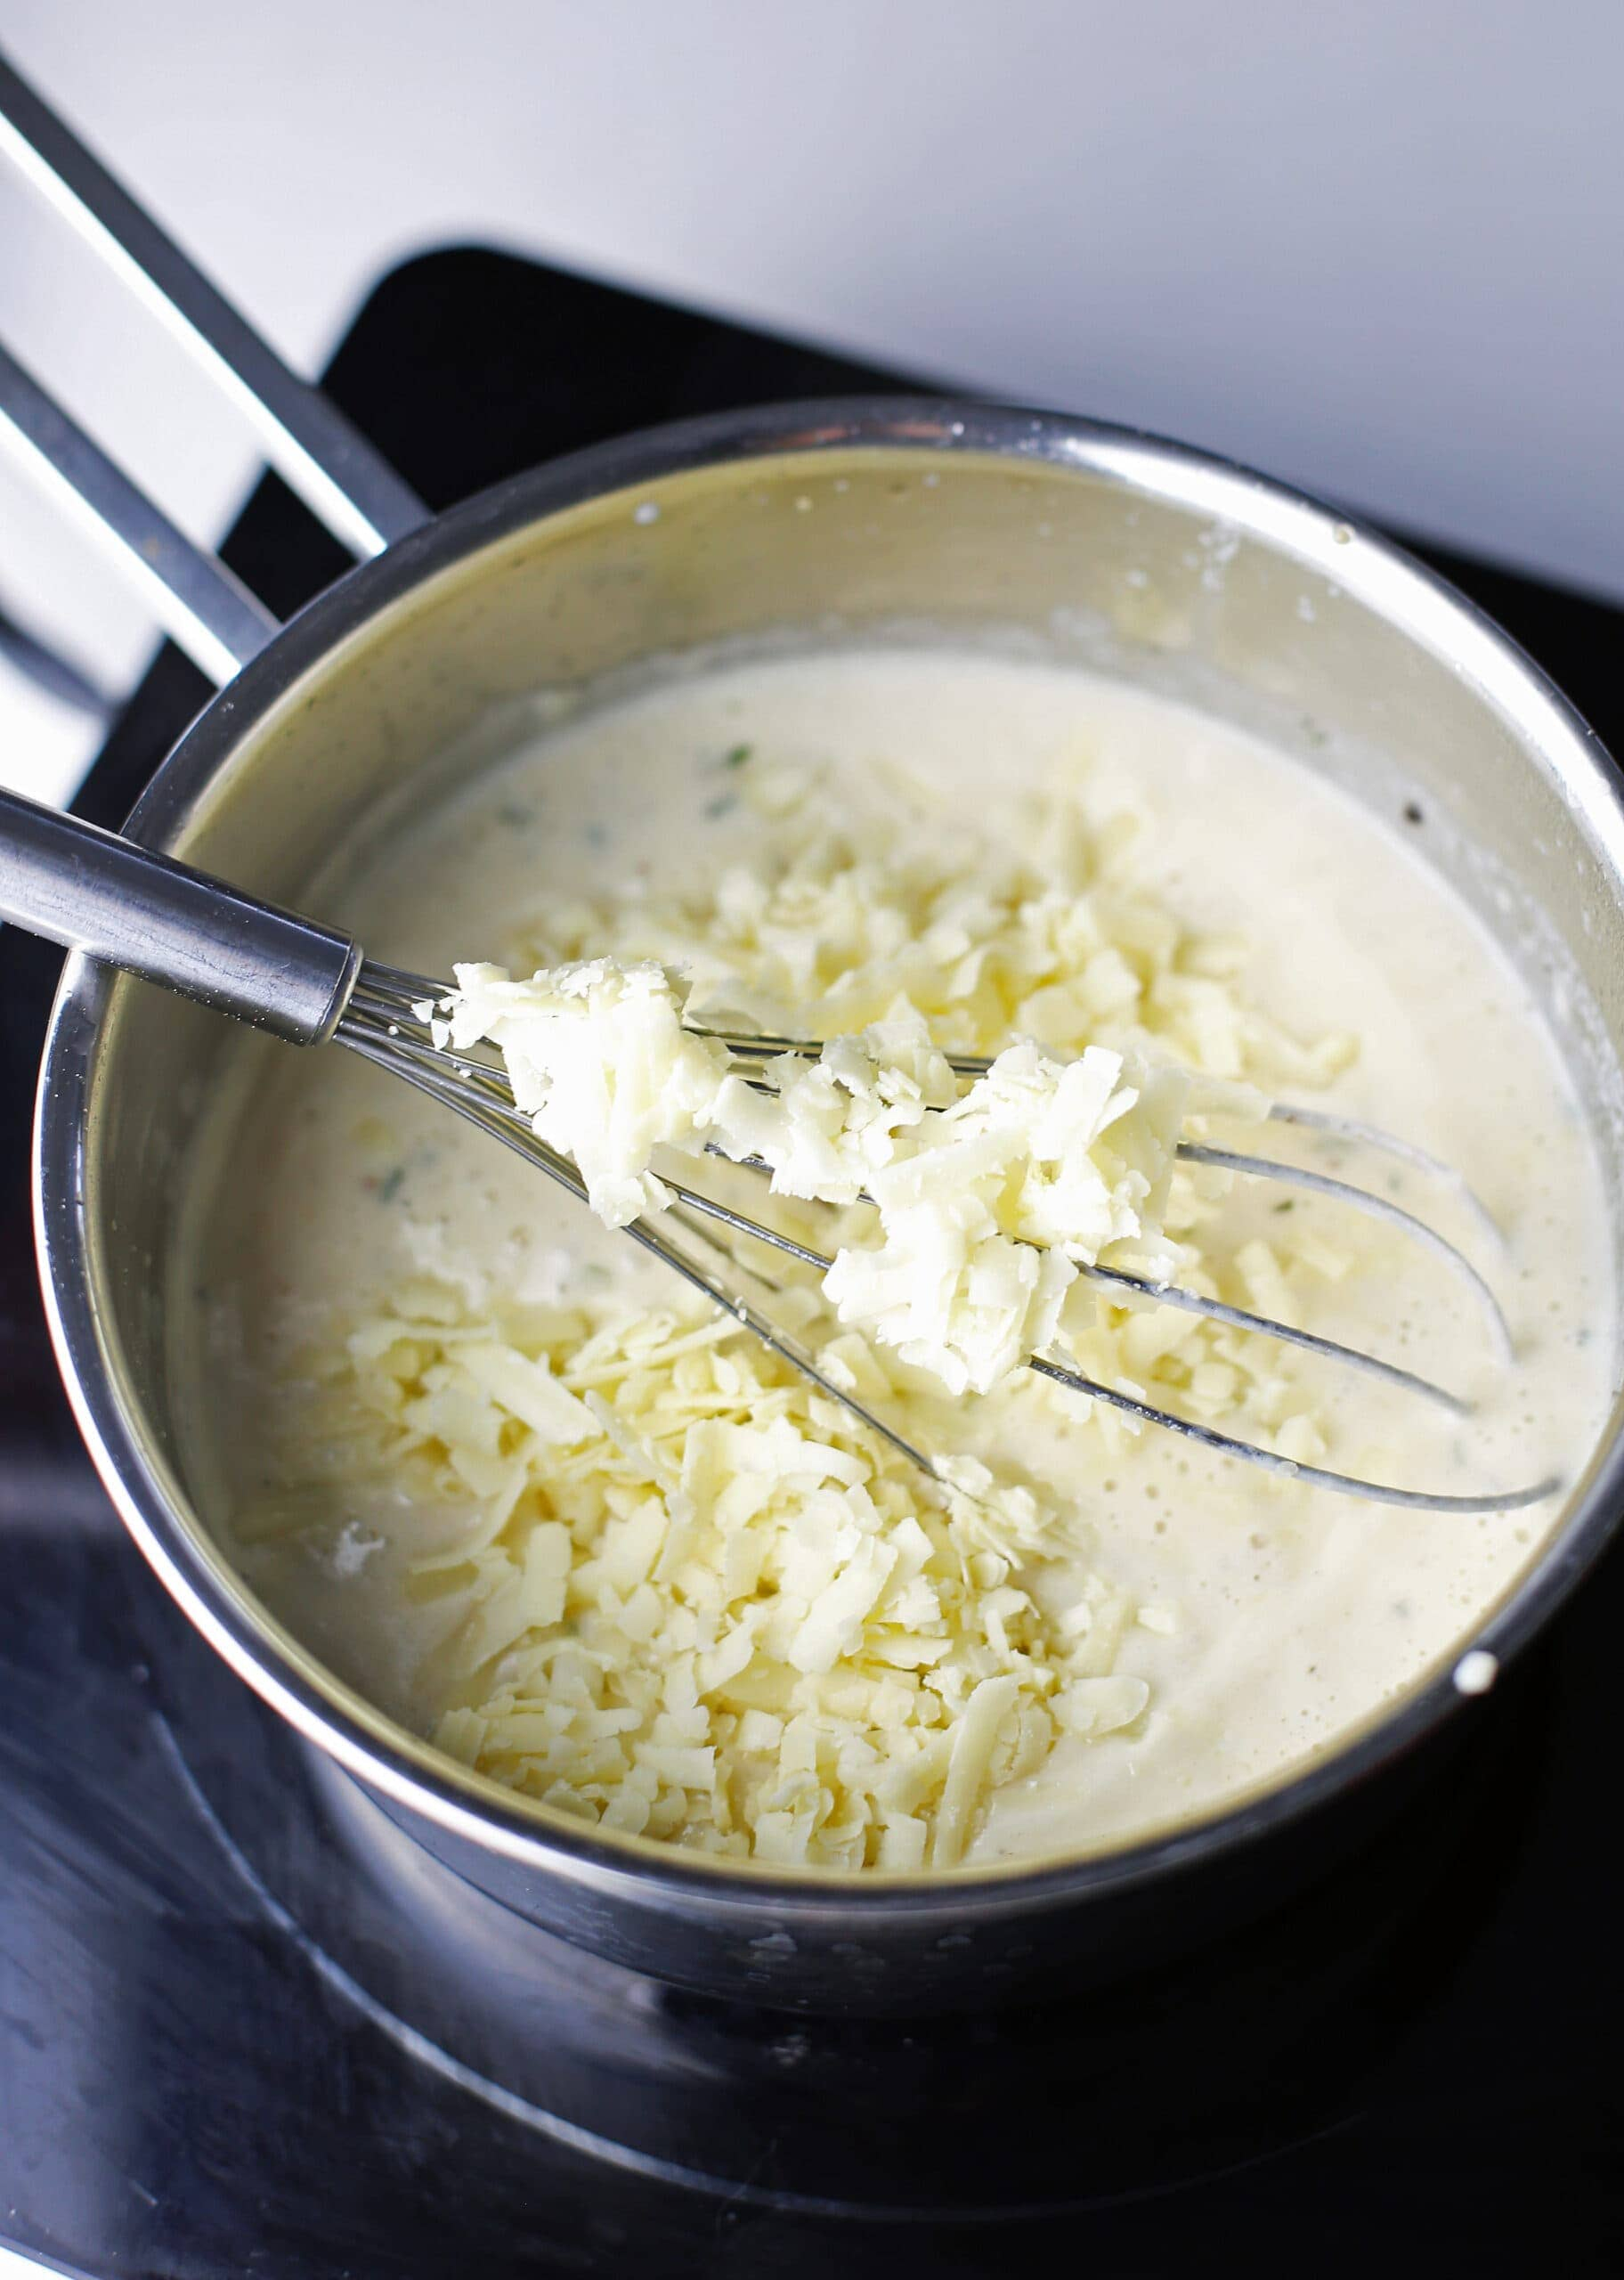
[(1377, 248)]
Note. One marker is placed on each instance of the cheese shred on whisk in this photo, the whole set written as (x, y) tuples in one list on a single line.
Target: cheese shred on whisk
[(986, 1203)]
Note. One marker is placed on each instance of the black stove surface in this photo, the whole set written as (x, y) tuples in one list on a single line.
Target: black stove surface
[(238, 2035)]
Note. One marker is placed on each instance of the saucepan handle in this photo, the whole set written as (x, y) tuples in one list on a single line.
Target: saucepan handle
[(216, 619), (330, 463), (90, 890)]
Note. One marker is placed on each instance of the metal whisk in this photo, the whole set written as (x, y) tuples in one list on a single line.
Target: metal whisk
[(384, 1021), (115, 900)]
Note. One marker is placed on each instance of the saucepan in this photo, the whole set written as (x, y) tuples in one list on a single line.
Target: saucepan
[(1156, 564)]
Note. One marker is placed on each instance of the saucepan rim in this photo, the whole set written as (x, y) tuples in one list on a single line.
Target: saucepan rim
[(1365, 565)]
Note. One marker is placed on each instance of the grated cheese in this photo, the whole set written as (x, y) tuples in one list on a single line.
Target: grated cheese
[(695, 1599), (599, 1060), (984, 1203), (983, 1217), (898, 949), (714, 1609)]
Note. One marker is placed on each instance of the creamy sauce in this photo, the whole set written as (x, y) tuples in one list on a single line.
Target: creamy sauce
[(1283, 1617)]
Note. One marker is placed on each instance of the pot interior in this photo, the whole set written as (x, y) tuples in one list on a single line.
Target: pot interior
[(1145, 563)]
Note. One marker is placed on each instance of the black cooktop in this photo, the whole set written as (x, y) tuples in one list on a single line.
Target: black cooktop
[(228, 2045)]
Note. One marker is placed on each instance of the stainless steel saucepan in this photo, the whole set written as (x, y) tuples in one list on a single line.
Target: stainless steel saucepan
[(1154, 563)]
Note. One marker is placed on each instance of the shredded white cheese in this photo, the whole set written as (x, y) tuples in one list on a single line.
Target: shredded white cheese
[(701, 1603), (691, 1597), (599, 1060), (984, 1202), (900, 949), (828, 1126), (829, 930), (1044, 1163)]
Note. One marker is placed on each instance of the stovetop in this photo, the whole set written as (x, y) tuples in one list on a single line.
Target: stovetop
[(226, 2043)]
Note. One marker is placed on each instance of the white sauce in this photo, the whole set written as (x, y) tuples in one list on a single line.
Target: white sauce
[(1274, 1621)]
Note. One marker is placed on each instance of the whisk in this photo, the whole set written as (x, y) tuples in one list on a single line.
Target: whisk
[(134, 908)]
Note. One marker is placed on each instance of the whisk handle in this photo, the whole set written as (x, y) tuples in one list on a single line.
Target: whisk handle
[(89, 889)]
